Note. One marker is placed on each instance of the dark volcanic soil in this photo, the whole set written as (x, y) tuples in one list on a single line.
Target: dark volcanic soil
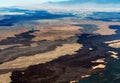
[(69, 68), (12, 53), (66, 68)]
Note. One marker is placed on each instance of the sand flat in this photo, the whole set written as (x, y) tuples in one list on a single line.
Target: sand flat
[(11, 33), (85, 76), (114, 43), (55, 33), (99, 61), (114, 54), (5, 78), (2, 47), (100, 66), (26, 61), (21, 62), (103, 26)]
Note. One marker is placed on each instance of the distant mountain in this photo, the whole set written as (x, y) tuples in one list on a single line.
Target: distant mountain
[(87, 1), (11, 9)]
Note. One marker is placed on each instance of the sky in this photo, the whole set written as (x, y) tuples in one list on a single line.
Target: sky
[(112, 3), (6, 3)]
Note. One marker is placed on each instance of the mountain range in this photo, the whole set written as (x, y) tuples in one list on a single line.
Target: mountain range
[(87, 1)]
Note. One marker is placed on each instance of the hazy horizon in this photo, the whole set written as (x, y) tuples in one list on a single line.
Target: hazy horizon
[(62, 4)]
